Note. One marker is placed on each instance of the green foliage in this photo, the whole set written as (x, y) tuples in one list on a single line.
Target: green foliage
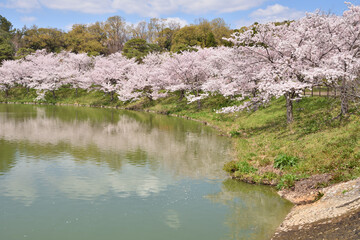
[(210, 40), (50, 39), (5, 25), (164, 39), (319, 196), (23, 52), (187, 37), (245, 167), (235, 133), (7, 50), (230, 167), (138, 48), (286, 22), (85, 39), (270, 176), (283, 161), (287, 181), (204, 34)]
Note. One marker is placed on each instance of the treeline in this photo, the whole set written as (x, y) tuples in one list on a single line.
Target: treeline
[(104, 38), (265, 61)]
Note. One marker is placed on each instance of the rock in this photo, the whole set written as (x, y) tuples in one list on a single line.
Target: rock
[(328, 218)]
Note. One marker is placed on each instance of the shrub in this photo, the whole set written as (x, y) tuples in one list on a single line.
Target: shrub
[(287, 181), (230, 167), (234, 133), (270, 176), (245, 167), (283, 161)]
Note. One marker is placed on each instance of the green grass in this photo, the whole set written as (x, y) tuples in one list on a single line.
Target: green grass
[(314, 143), (64, 95), (285, 161)]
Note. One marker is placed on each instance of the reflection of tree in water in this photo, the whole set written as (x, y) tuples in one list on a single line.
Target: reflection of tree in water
[(141, 158), (80, 154), (108, 136), (7, 156), (254, 211)]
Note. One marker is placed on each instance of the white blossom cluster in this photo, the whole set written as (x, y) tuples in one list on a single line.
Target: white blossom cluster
[(266, 61)]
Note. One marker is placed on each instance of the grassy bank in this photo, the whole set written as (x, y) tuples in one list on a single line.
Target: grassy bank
[(266, 149)]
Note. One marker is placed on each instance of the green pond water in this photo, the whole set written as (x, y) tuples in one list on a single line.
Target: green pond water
[(91, 174)]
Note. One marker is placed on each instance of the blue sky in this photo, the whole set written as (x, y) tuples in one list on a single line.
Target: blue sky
[(63, 13)]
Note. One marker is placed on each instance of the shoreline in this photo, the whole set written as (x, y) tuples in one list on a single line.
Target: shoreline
[(314, 208), (222, 133), (336, 215)]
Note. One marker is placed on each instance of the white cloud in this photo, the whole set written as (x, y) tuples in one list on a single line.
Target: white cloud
[(28, 19), (201, 6), (22, 5), (146, 8), (176, 20), (169, 22), (155, 8), (273, 13), (276, 12), (86, 6), (68, 27), (270, 11)]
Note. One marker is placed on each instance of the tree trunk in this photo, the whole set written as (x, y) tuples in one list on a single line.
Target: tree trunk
[(6, 93), (76, 92), (53, 92), (198, 101), (182, 95), (289, 108), (312, 91), (253, 92), (112, 96), (344, 98), (149, 97)]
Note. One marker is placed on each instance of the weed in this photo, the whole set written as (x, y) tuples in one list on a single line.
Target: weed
[(319, 196), (234, 133), (245, 167), (287, 181), (270, 176), (322, 185), (230, 167), (283, 161)]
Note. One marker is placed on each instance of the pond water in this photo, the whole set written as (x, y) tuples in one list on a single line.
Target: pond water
[(84, 173)]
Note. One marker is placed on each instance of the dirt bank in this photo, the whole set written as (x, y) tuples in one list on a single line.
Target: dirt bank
[(335, 216)]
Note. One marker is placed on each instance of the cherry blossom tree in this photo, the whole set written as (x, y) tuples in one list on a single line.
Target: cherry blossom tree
[(78, 64), (187, 71), (266, 61), (8, 76), (111, 73), (14, 73), (146, 79), (331, 48), (269, 52), (232, 75), (49, 72)]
